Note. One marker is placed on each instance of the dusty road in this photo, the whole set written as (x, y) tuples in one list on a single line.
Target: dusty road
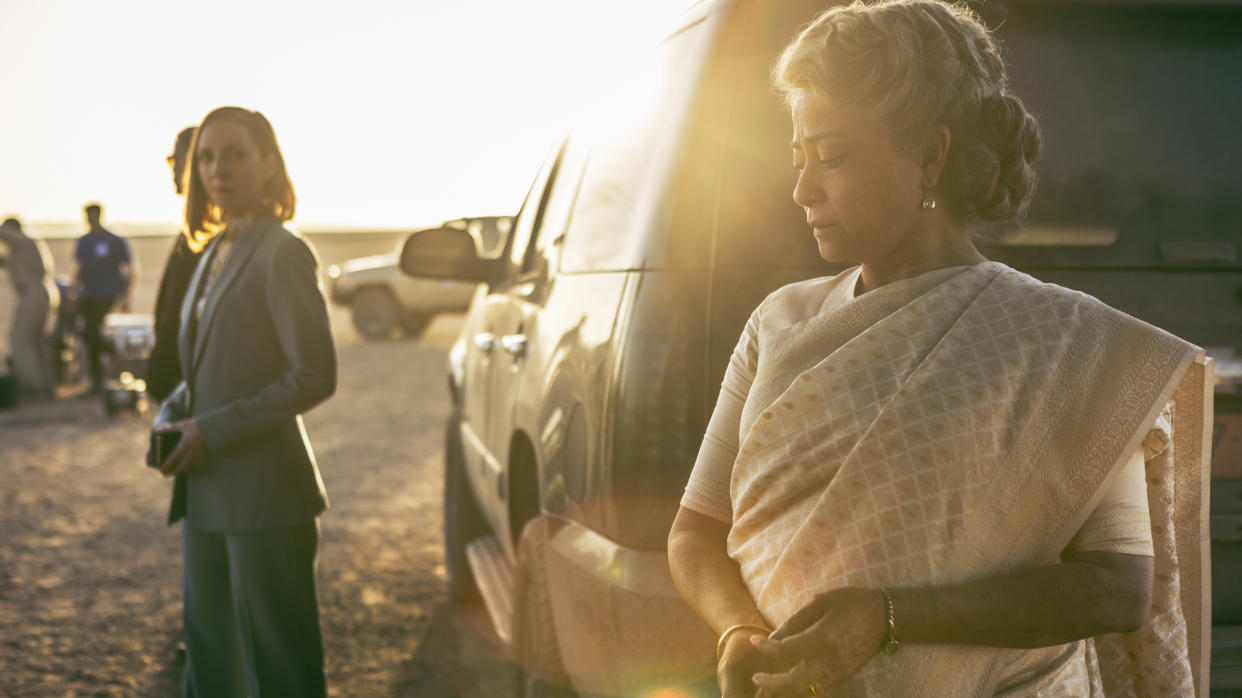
[(90, 575)]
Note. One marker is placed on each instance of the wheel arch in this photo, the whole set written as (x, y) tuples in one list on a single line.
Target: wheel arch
[(523, 486)]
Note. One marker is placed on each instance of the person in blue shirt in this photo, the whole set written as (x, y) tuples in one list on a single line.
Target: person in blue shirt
[(103, 281)]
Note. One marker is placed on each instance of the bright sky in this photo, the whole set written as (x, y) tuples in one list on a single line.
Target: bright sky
[(390, 113)]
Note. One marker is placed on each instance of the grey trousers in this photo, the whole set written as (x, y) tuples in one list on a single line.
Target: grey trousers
[(251, 614)]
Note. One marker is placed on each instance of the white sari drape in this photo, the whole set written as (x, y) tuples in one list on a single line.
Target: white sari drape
[(923, 436)]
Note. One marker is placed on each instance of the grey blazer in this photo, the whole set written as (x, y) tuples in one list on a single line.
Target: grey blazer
[(261, 355)]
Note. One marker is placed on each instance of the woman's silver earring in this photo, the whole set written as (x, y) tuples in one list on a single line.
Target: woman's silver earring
[(929, 203)]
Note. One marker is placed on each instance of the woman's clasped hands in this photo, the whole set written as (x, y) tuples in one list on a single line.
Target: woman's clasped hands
[(819, 647), (191, 450)]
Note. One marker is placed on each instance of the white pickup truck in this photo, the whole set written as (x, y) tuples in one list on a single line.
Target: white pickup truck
[(383, 300)]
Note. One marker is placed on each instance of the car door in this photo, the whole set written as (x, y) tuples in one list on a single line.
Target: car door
[(483, 458), (527, 328)]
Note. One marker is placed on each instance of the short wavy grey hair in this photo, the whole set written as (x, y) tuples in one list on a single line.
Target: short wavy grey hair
[(910, 65)]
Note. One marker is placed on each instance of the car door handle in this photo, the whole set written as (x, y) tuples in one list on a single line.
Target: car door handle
[(514, 344), (486, 341)]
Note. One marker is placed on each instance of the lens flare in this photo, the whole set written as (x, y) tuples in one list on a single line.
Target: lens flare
[(667, 693)]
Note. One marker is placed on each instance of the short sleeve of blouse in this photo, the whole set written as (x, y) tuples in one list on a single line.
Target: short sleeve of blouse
[(1121, 523), (707, 492)]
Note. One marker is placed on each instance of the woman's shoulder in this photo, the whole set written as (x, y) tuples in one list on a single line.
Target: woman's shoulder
[(804, 299), (1017, 283), (279, 231), (285, 252), (1069, 308), (285, 238)]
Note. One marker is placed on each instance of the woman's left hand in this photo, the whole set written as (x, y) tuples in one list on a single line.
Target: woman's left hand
[(191, 450), (824, 643)]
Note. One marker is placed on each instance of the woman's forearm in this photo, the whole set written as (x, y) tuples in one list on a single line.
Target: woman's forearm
[(1094, 594), (707, 578)]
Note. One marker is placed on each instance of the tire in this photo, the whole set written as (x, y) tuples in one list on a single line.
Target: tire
[(462, 520), (539, 671), (414, 324), (375, 313)]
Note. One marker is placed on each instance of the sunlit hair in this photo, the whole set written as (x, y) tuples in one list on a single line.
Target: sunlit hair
[(181, 148), (203, 219), (180, 156), (911, 65), (184, 138)]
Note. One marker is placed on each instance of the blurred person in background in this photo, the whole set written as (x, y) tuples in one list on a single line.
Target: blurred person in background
[(932, 474), (164, 366), (103, 281), (30, 270), (257, 351)]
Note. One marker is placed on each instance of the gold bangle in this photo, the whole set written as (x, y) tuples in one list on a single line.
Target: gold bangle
[(891, 644), (724, 637)]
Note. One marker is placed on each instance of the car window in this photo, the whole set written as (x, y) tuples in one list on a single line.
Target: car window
[(526, 226), (560, 201), (561, 190), (1139, 109), (491, 232), (633, 140)]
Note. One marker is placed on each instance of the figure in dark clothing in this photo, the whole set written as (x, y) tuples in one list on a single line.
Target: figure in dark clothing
[(164, 366), (105, 271)]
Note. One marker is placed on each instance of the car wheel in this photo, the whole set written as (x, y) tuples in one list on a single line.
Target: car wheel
[(539, 671), (462, 520), (375, 313), (414, 324)]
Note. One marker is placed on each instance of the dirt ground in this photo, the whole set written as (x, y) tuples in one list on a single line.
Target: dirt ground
[(90, 575)]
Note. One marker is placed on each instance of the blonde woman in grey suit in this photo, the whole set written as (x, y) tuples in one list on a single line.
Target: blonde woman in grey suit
[(257, 352)]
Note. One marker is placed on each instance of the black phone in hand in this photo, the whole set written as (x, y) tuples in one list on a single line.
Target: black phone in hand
[(162, 445)]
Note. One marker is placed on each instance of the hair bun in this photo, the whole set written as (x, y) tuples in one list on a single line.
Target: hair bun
[(992, 170)]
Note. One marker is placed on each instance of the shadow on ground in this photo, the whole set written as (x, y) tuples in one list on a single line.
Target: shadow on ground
[(455, 659)]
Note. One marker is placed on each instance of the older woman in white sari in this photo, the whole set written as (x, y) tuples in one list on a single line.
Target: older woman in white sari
[(932, 474)]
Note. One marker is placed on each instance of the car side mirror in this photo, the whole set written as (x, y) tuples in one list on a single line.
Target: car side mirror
[(444, 253)]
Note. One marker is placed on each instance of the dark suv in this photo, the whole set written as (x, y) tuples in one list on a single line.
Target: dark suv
[(591, 355)]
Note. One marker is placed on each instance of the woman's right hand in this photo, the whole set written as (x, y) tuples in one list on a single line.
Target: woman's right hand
[(739, 661), (191, 450)]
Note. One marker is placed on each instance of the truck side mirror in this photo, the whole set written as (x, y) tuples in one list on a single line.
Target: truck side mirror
[(444, 253)]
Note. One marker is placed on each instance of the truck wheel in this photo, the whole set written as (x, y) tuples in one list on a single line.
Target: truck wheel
[(414, 324), (539, 671), (462, 520), (375, 313)]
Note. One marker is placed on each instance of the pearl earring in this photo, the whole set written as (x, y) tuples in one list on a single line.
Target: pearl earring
[(929, 203)]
